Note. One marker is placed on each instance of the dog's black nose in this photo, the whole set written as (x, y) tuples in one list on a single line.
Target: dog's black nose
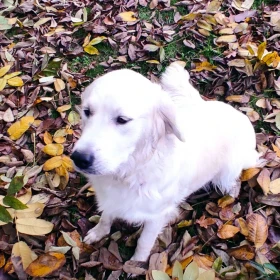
[(82, 160)]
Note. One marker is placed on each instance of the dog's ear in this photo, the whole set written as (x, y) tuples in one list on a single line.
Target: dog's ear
[(167, 111)]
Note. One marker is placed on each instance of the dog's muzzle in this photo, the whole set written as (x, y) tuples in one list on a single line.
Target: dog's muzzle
[(82, 160)]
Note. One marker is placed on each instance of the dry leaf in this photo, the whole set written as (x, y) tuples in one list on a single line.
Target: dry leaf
[(4, 70), (74, 118), (63, 108), (15, 82), (258, 229), (249, 174), (226, 39), (238, 98), (91, 50), (243, 253), (127, 16), (47, 138), (264, 180), (21, 249), (53, 149), (274, 186), (205, 65), (52, 163), (34, 210), (241, 223), (33, 226), (59, 85), (46, 264), (17, 129), (227, 231)]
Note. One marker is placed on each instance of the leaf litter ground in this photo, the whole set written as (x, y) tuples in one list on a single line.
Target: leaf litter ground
[(50, 51)]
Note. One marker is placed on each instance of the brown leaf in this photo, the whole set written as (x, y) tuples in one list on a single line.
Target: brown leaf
[(225, 201), (227, 231), (243, 253), (242, 225), (249, 174), (264, 180), (238, 98), (258, 229), (46, 264)]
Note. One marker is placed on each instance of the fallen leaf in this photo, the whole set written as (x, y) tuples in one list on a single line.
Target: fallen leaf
[(249, 174), (191, 272), (63, 108), (34, 210), (17, 129), (21, 249), (127, 16), (46, 264), (258, 229), (53, 149), (14, 202), (238, 98), (264, 180), (4, 70), (52, 163), (205, 65), (226, 39), (33, 226), (59, 85), (74, 118), (15, 82), (227, 231), (274, 186), (243, 253)]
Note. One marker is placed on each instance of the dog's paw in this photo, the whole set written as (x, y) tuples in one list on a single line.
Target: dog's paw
[(94, 235)]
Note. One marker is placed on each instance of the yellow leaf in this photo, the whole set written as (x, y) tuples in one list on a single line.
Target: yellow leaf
[(47, 138), (21, 249), (74, 118), (241, 223), (33, 226), (63, 108), (261, 49), (17, 129), (249, 174), (91, 50), (205, 65), (52, 163), (127, 16), (258, 229), (189, 17), (61, 171), (227, 231), (11, 75), (15, 82), (244, 252), (34, 210), (46, 264), (59, 85), (59, 139), (67, 163), (97, 40), (4, 70), (225, 201), (53, 149), (152, 61), (3, 83), (274, 186)]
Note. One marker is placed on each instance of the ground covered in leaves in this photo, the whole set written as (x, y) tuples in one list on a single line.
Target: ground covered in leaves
[(49, 52)]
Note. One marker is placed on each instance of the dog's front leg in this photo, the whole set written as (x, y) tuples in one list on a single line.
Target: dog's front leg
[(100, 230), (146, 241)]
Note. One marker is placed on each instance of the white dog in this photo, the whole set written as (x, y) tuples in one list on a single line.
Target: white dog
[(145, 147)]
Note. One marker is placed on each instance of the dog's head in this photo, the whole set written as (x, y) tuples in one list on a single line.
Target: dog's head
[(122, 112)]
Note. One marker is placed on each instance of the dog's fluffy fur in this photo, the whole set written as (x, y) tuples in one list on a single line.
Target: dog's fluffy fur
[(174, 144)]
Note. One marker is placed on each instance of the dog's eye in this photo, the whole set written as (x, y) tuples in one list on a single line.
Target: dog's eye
[(122, 120), (87, 112)]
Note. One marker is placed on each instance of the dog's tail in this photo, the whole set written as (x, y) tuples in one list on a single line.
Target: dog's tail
[(175, 81)]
